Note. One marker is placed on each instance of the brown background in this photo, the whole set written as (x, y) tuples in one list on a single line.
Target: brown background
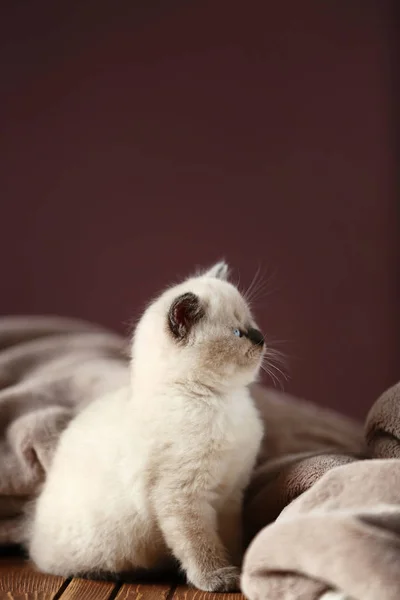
[(139, 143)]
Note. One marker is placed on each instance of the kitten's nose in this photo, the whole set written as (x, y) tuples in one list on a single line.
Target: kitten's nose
[(255, 336)]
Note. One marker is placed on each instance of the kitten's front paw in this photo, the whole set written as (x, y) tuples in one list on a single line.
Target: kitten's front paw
[(226, 579)]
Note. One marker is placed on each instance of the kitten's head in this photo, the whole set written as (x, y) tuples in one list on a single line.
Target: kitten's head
[(201, 330)]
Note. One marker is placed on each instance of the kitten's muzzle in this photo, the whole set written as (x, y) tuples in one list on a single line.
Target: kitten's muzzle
[(255, 336)]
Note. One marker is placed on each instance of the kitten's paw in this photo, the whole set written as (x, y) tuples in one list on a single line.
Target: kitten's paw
[(226, 579)]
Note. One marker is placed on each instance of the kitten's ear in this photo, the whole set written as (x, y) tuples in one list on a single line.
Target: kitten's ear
[(184, 312), (220, 270)]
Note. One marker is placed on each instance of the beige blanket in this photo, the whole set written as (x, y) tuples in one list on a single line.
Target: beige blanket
[(342, 533), (49, 369)]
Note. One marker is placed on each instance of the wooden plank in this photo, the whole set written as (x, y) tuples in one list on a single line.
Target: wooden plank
[(146, 591), (20, 581), (88, 589), (184, 592)]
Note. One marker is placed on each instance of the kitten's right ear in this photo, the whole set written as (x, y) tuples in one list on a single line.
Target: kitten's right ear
[(220, 271), (184, 312)]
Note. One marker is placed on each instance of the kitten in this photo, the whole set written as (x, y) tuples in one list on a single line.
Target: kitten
[(155, 473)]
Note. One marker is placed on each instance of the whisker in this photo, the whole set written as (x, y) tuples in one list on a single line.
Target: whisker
[(258, 290), (286, 378), (273, 341), (273, 376), (274, 363), (276, 355), (260, 286), (238, 281), (247, 294), (261, 295), (267, 371)]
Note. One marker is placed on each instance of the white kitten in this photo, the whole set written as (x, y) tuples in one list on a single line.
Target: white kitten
[(156, 473)]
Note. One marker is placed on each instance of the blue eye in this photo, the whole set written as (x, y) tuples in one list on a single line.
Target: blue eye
[(237, 332)]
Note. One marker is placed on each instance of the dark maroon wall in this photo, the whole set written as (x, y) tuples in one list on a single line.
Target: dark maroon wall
[(138, 144)]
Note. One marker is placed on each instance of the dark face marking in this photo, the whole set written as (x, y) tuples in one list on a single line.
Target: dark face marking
[(185, 311), (255, 336)]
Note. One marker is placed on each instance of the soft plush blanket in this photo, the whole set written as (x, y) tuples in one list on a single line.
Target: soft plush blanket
[(341, 535), (50, 368)]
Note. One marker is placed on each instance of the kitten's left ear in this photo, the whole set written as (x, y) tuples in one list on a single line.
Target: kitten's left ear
[(220, 271), (184, 312)]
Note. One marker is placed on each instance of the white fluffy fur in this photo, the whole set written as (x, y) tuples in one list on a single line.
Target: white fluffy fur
[(158, 470)]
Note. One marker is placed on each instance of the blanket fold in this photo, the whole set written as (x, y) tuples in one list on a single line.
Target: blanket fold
[(337, 527), (343, 533), (49, 369), (382, 428)]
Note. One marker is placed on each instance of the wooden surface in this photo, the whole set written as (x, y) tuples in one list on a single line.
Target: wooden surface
[(186, 593), (20, 581)]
